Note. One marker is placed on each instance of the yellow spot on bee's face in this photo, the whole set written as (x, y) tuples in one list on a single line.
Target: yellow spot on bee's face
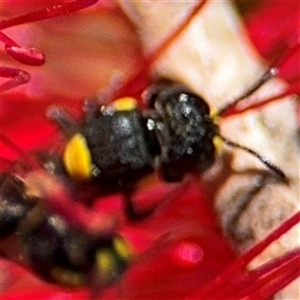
[(214, 116), (77, 158), (218, 142), (123, 104), (122, 248)]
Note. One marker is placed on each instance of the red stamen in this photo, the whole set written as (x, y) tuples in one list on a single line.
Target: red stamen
[(236, 269), (28, 56), (260, 280), (138, 81), (273, 276), (21, 54), (31, 56), (17, 77), (30, 162), (49, 12), (8, 41)]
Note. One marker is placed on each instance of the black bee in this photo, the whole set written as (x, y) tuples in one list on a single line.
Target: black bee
[(119, 143), (51, 247)]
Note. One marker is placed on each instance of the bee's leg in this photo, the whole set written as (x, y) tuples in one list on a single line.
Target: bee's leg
[(155, 201), (131, 211)]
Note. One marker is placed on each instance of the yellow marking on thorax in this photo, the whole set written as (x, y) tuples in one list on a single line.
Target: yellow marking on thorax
[(124, 104), (77, 158)]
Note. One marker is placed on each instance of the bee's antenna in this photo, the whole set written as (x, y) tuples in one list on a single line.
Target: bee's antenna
[(271, 72), (271, 166)]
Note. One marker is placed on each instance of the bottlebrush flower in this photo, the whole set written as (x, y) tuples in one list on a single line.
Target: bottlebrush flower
[(196, 262)]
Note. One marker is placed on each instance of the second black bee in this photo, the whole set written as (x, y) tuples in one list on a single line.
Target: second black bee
[(53, 249)]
